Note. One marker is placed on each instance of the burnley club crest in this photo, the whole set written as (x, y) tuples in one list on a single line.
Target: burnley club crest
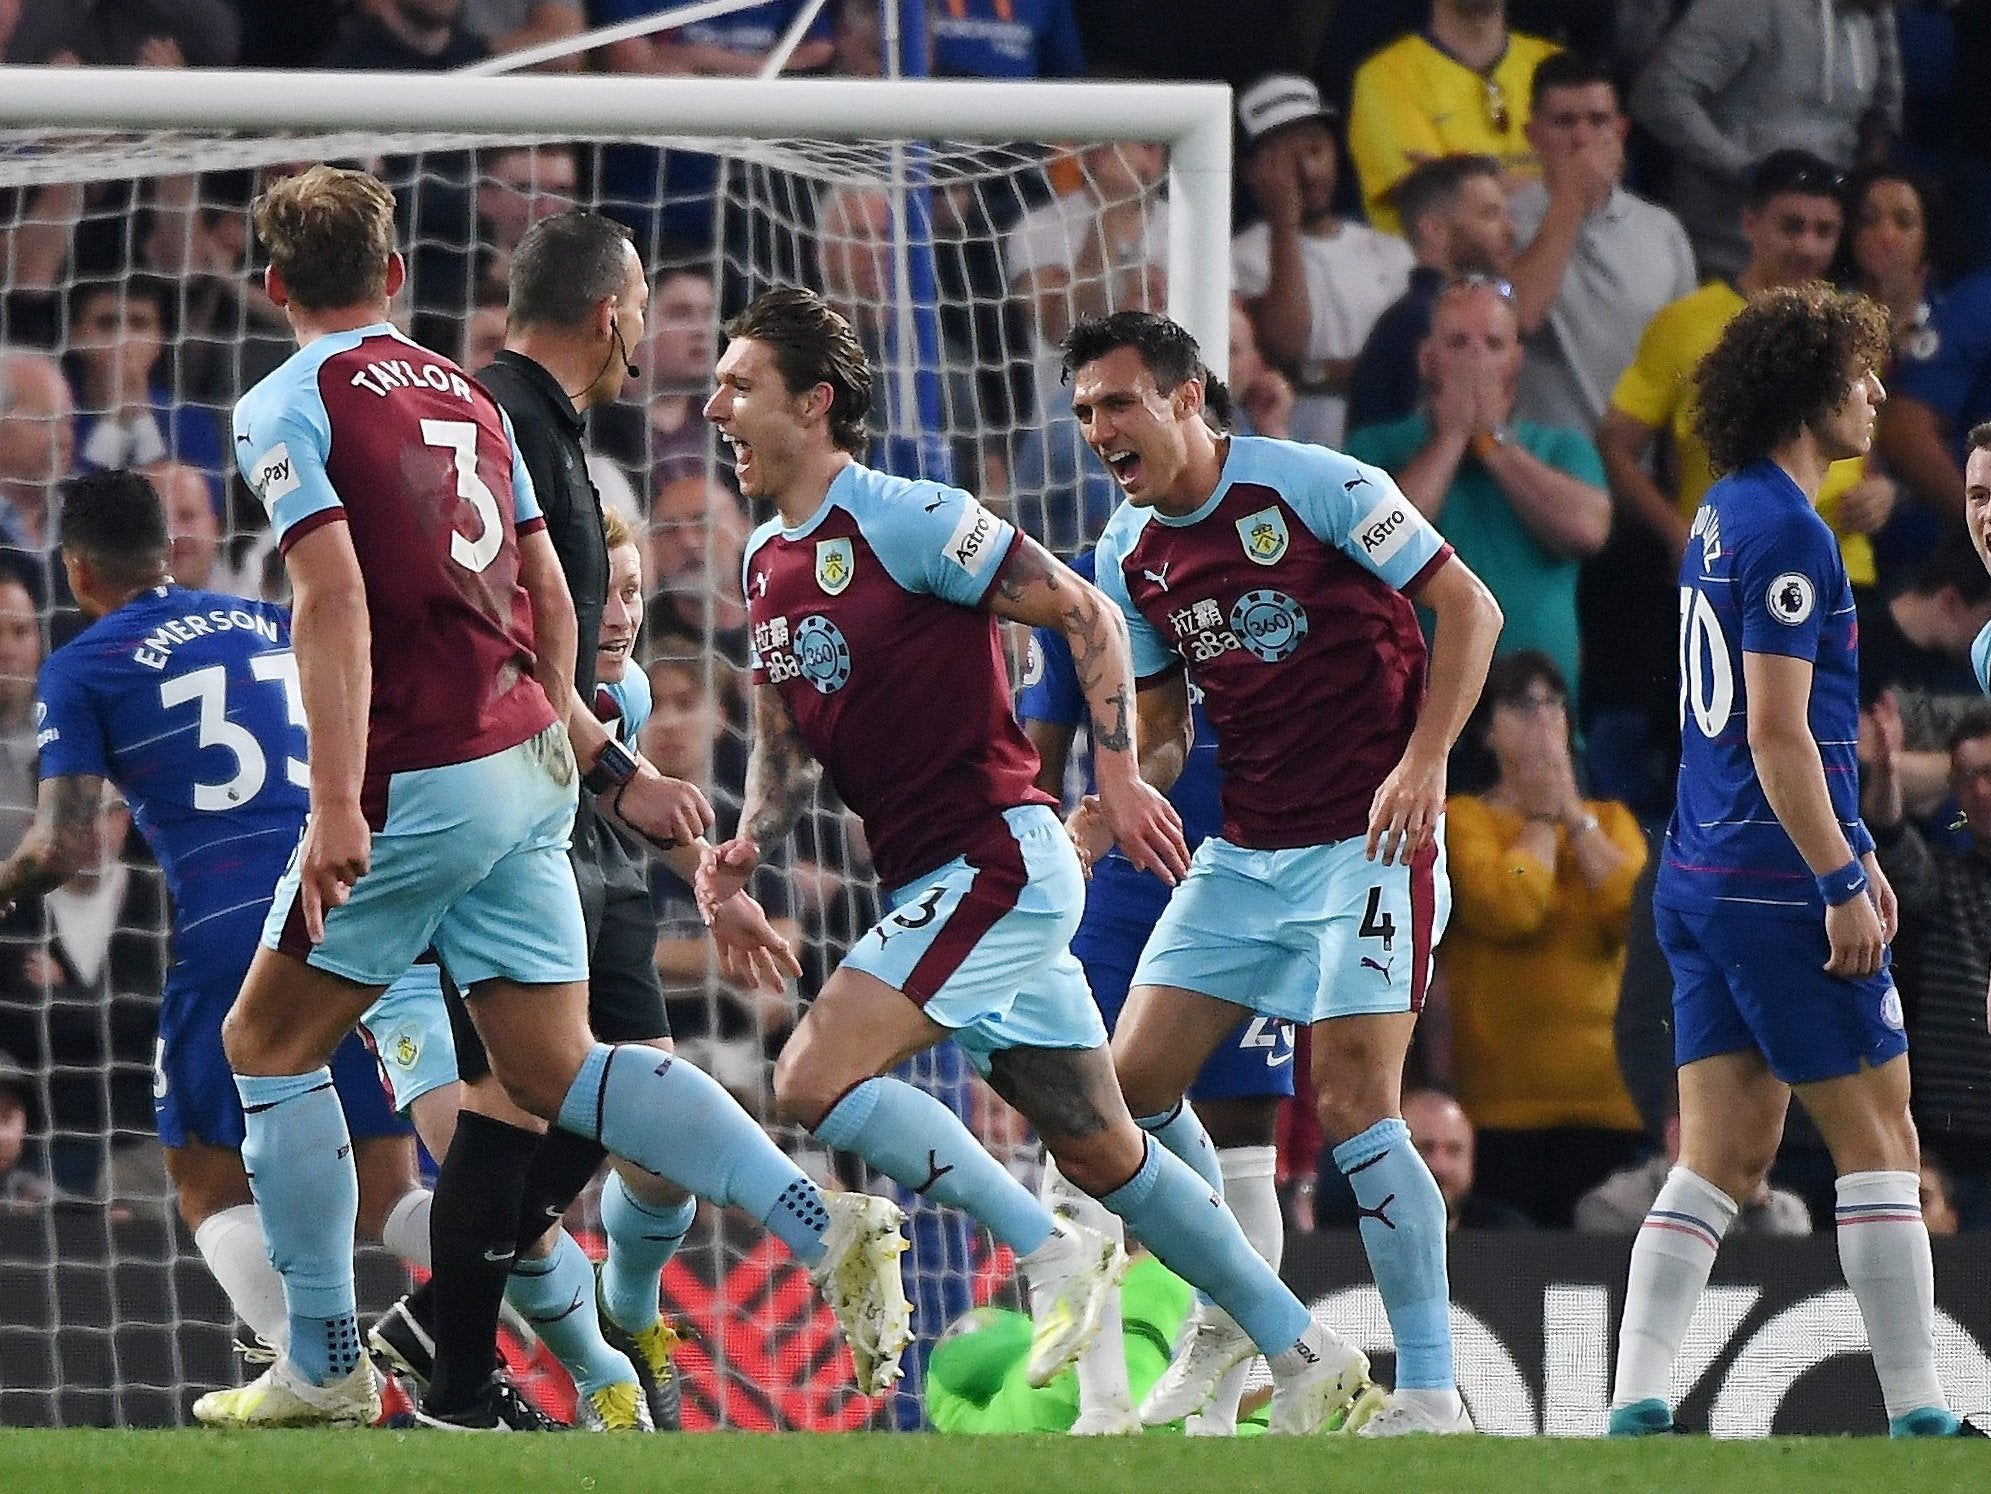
[(834, 564), (1264, 535)]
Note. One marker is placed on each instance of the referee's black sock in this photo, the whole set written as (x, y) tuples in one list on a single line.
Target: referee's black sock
[(562, 1167), (474, 1228), (560, 1170)]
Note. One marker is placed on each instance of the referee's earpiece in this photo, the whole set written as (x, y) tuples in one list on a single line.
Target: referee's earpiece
[(621, 348)]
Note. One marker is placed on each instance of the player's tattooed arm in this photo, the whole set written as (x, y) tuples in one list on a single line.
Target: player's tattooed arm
[(1037, 589), (59, 842), (781, 775)]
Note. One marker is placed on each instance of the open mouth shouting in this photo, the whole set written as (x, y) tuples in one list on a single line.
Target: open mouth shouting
[(1123, 462)]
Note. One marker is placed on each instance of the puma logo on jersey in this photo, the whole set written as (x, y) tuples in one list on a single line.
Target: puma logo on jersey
[(760, 583), (1357, 481), (1160, 577), (1370, 964)]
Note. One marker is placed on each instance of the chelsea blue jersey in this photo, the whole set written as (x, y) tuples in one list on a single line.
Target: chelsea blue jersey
[(1051, 692), (188, 701), (1763, 575)]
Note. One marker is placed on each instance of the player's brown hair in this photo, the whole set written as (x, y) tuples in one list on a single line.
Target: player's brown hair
[(1980, 436), (812, 344), (1782, 365), (330, 235)]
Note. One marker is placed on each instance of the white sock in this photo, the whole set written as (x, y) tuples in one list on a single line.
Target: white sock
[(231, 1242), (1671, 1258), (1884, 1251), (1251, 1189), (406, 1230), (1102, 1369)]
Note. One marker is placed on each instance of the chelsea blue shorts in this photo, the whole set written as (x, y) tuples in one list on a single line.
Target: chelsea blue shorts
[(1256, 1061), (193, 1090), (1759, 984)]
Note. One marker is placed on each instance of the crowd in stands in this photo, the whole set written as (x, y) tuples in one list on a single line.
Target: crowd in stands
[(1481, 244)]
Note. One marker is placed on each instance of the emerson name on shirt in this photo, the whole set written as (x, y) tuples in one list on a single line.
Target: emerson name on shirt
[(156, 648)]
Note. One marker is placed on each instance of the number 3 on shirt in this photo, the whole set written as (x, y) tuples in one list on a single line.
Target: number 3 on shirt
[(209, 687), (459, 438)]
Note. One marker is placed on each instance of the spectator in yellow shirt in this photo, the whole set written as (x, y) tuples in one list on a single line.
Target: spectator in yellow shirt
[(1792, 222), (1458, 87), (1541, 898)]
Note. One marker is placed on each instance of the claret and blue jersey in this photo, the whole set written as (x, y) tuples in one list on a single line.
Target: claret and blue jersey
[(1762, 574), (867, 617), (436, 545), (1285, 596)]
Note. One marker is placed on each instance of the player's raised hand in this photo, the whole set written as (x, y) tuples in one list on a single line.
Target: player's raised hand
[(337, 850), (1146, 828), (1858, 940), (668, 811), (1403, 816), (751, 953), (722, 874)]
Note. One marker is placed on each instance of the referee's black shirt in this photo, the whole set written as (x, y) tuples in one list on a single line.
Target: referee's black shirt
[(548, 431)]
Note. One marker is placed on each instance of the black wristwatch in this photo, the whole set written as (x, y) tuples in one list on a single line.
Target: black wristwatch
[(614, 767)]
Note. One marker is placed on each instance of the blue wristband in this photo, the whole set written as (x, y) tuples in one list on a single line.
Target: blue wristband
[(1843, 885)]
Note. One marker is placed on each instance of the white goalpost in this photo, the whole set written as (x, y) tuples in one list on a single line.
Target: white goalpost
[(958, 225), (1192, 119)]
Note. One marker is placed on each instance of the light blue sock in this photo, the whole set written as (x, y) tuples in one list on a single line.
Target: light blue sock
[(300, 1164), (1403, 1231), (664, 1114), (1185, 1223), (641, 1241), (1181, 1132), (1180, 1129), (920, 1144), (557, 1296)]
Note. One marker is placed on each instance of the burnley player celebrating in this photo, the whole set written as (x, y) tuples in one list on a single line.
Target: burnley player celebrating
[(1280, 575), (435, 640), (1771, 908), (873, 602)]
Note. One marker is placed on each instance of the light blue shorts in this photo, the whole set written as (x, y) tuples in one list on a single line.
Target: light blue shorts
[(983, 945), (472, 860), (408, 1030), (1305, 934)]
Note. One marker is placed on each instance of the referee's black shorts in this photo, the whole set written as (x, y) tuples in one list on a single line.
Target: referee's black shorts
[(625, 999)]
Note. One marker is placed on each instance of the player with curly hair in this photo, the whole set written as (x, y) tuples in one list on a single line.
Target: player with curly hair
[(1771, 908)]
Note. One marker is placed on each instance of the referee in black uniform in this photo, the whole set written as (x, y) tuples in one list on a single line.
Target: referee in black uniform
[(578, 296)]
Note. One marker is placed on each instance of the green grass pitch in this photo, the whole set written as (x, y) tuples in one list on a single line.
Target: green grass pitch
[(82, 1462)]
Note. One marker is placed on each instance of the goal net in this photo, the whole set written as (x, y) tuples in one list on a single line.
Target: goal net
[(131, 319)]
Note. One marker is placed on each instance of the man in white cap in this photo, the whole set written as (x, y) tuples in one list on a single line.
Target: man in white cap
[(1313, 282)]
